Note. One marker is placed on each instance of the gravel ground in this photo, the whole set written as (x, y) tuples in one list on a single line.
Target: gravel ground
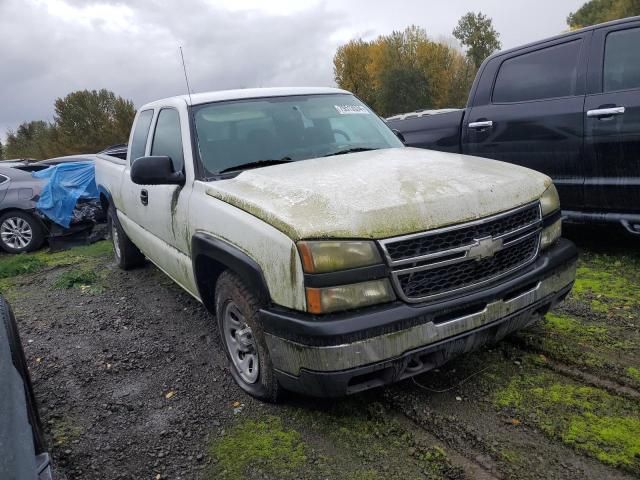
[(133, 384)]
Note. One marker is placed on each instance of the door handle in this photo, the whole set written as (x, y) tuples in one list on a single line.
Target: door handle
[(144, 197), (483, 124), (605, 112)]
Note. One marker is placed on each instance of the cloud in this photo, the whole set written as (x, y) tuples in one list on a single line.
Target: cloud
[(50, 49)]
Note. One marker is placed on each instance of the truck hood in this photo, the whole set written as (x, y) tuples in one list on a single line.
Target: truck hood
[(379, 194)]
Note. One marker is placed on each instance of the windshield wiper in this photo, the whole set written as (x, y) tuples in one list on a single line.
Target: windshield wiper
[(350, 150), (257, 164)]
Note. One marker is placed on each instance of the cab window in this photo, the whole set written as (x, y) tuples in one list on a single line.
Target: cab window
[(547, 73), (140, 135), (167, 139), (622, 60)]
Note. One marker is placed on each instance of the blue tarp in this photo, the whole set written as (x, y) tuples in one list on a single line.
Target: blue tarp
[(67, 183)]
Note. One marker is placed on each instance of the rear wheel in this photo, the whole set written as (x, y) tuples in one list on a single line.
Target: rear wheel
[(127, 255), (241, 334), (20, 232)]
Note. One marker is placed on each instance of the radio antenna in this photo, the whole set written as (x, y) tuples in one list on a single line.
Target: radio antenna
[(186, 77)]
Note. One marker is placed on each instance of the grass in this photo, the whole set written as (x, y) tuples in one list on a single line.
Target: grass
[(15, 265), (259, 446), (589, 419), (633, 373), (12, 267), (76, 278), (349, 439), (609, 284), (369, 432), (601, 332), (571, 326)]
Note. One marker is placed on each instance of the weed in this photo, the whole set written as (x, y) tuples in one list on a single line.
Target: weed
[(64, 431), (76, 278)]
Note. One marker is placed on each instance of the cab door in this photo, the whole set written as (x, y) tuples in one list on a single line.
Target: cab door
[(158, 213), (528, 111), (612, 121)]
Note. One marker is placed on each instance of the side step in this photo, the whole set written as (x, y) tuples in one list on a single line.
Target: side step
[(630, 221)]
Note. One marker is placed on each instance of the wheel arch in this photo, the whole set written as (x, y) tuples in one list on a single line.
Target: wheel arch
[(211, 256), (105, 198), (43, 224)]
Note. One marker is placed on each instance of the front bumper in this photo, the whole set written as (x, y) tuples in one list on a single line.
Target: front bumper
[(362, 349)]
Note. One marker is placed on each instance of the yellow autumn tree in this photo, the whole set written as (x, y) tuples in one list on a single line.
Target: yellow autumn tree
[(404, 71)]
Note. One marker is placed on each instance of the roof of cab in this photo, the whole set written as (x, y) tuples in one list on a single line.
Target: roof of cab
[(245, 93)]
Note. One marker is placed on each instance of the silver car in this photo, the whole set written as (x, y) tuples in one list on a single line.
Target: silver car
[(20, 229)]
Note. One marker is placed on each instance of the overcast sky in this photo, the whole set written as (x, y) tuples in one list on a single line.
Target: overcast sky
[(49, 48)]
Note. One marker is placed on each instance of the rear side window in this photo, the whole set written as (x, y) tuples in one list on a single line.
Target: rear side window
[(140, 135), (3, 179), (546, 73), (167, 139), (622, 60)]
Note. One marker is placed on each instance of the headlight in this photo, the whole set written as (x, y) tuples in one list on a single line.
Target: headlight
[(324, 256), (550, 201), (551, 234), (346, 297)]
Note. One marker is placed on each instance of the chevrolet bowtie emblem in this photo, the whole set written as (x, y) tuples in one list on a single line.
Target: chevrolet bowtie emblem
[(485, 247)]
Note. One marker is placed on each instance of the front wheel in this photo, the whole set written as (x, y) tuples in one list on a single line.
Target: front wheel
[(241, 334), (20, 232), (127, 255)]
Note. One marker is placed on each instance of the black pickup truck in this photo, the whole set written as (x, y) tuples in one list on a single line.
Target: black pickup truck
[(568, 106)]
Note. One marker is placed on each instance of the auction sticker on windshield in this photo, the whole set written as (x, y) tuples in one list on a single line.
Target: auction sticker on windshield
[(352, 109)]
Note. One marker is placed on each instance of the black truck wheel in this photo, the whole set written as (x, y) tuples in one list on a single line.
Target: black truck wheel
[(243, 339)]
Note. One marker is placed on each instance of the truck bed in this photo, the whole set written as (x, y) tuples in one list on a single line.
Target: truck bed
[(435, 130)]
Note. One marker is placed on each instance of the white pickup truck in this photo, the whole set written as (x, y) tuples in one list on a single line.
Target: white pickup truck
[(333, 258)]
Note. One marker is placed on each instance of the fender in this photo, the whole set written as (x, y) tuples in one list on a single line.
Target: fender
[(225, 256), (107, 194)]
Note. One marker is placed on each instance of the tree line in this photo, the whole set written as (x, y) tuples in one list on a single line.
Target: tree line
[(599, 11), (84, 122), (407, 70)]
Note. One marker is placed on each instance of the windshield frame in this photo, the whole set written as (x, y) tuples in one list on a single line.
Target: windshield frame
[(202, 173)]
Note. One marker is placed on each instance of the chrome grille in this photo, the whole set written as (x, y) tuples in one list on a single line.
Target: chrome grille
[(463, 235), (453, 259)]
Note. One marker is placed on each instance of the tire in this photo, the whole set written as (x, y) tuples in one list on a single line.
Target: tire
[(20, 232), (243, 338), (7, 320), (127, 255)]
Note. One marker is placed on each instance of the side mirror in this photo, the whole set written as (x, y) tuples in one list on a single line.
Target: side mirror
[(399, 134), (155, 171)]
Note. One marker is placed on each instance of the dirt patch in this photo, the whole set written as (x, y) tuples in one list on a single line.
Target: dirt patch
[(132, 383)]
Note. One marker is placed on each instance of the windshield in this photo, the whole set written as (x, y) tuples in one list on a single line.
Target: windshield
[(237, 133)]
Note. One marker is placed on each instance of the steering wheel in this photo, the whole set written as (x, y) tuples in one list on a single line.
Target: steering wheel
[(343, 133)]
